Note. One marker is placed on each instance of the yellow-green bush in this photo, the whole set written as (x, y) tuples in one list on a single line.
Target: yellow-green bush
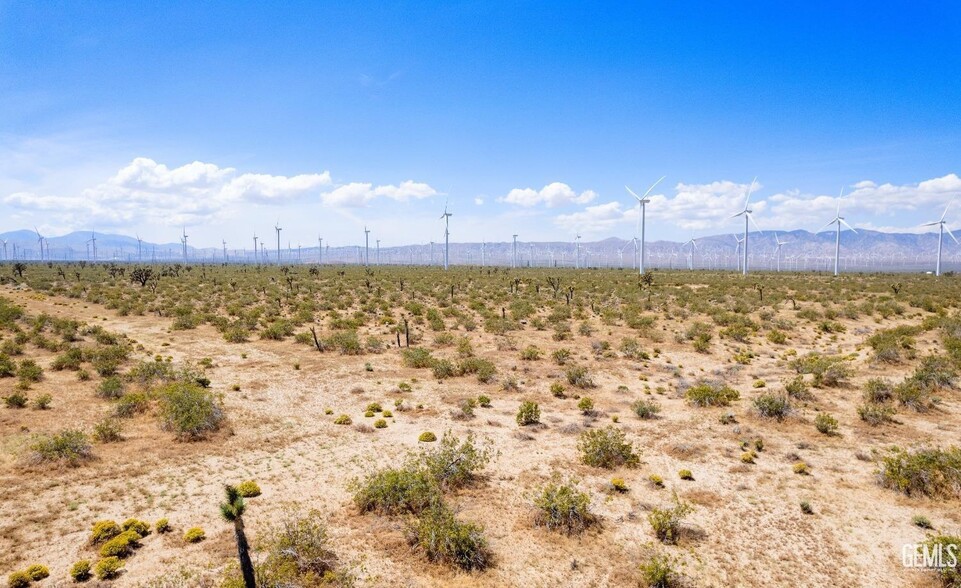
[(38, 572), (80, 571), (248, 489), (194, 535), (141, 528), (162, 525), (103, 531), (427, 437), (18, 579), (107, 568)]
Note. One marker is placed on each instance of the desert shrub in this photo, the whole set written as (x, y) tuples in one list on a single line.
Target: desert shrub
[(801, 468), (826, 424), (454, 463), (16, 399), (586, 405), (484, 401), (297, 552), (29, 372), (560, 356), (162, 525), (772, 406), (797, 388), (427, 437), (711, 394), (947, 545), (108, 568), (7, 367), (380, 424), (876, 414), (343, 420), (396, 491), (446, 540), (607, 448), (120, 546), (561, 506), (685, 475), (934, 372), (806, 507), (103, 531), (933, 472), (131, 403), (658, 572), (777, 337), (890, 344), (70, 447), (42, 402), (248, 489), (141, 528), (190, 411), (531, 353), (579, 377), (18, 579), (109, 430), (646, 409), (922, 522), (557, 390), (38, 572), (443, 368), (80, 570), (827, 370), (878, 390), (913, 395), (110, 388), (528, 413), (631, 349), (666, 522), (71, 359), (415, 357), (194, 535), (345, 342)]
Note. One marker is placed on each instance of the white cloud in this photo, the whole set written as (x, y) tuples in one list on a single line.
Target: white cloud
[(593, 219), (553, 195), (479, 201), (360, 194)]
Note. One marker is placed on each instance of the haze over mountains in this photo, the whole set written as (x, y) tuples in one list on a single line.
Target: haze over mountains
[(862, 251)]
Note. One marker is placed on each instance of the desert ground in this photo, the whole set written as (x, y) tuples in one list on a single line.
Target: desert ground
[(650, 340)]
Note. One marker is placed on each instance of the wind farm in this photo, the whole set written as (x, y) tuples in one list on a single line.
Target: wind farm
[(331, 295)]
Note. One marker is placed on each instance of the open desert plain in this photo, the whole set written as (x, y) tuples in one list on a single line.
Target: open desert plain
[(476, 427)]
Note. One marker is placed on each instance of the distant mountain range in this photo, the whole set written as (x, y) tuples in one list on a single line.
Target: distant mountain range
[(862, 251)]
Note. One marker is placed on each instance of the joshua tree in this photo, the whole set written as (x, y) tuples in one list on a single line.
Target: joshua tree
[(233, 511)]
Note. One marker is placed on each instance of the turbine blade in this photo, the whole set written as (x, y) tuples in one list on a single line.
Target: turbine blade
[(747, 200), (751, 217), (632, 193), (846, 224), (826, 226), (952, 235), (653, 186), (943, 214), (931, 224)]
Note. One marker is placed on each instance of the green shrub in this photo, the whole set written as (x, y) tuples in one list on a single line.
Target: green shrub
[(248, 489), (666, 522), (586, 405), (561, 356), (120, 546), (658, 572), (343, 420), (772, 406), (17, 399), (454, 463), (947, 545), (18, 579), (826, 424), (685, 475), (8, 368), (396, 491), (194, 535), (131, 403), (711, 394), (427, 437), (38, 572), (563, 507), (415, 357), (103, 531), (484, 401), (71, 447), (162, 525), (827, 370), (380, 424), (579, 377), (42, 402), (806, 507), (190, 411), (109, 430), (878, 390), (912, 394), (110, 388), (797, 388), (443, 369), (935, 473), (80, 570), (606, 448), (141, 528), (108, 568), (557, 389), (29, 372), (646, 409), (531, 353), (528, 413), (446, 540), (922, 522), (876, 414)]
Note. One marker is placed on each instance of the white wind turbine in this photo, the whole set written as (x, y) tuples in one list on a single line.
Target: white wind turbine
[(4, 241), (577, 251), (278, 229), (225, 249), (514, 253), (941, 223), (737, 250), (93, 242), (641, 213), (185, 244), (40, 241), (748, 217), (366, 247), (139, 248), (256, 256), (446, 218), (777, 250), (838, 220), (690, 258)]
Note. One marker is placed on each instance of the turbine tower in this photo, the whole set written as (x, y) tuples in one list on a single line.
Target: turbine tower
[(690, 258), (320, 250), (93, 242), (838, 220), (4, 249), (577, 251), (746, 213), (185, 244), (40, 241), (641, 213), (256, 256), (278, 229), (941, 229), (777, 250), (446, 218), (514, 253), (225, 250), (139, 248), (737, 251), (366, 247)]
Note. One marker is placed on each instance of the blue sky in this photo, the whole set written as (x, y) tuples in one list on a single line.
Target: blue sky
[(529, 116)]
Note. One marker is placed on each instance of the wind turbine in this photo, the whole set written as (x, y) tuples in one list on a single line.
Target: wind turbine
[(320, 250), (256, 257), (278, 229), (941, 229), (838, 220), (93, 242), (737, 250), (4, 249), (514, 253), (746, 213), (690, 258), (40, 241), (446, 218), (139, 248), (225, 249), (366, 246), (577, 251), (777, 250), (641, 213), (377, 258), (185, 244)]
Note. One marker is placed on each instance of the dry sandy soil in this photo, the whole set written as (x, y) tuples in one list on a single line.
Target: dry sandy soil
[(746, 529)]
